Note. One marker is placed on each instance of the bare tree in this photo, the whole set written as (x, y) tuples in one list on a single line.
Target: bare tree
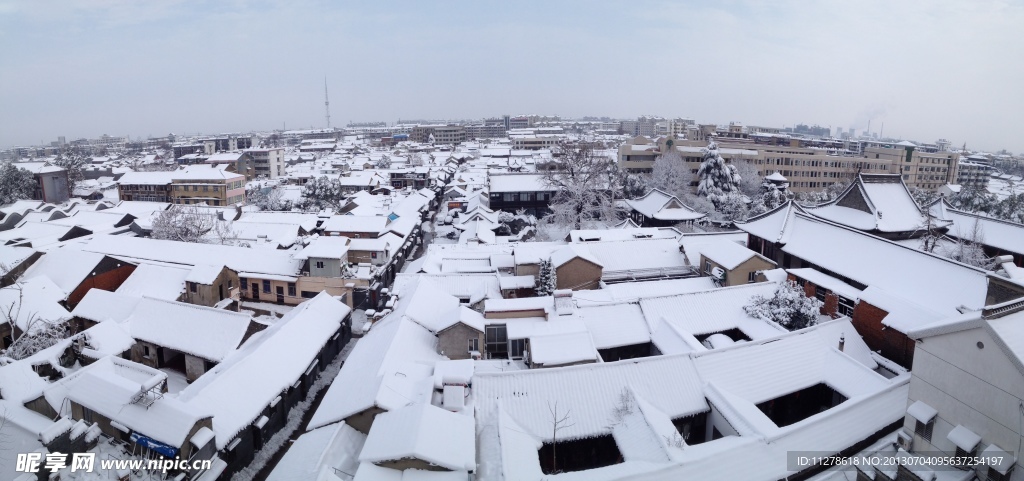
[(751, 180), (968, 249), (584, 188), (671, 174), (189, 224), (558, 422), (36, 333)]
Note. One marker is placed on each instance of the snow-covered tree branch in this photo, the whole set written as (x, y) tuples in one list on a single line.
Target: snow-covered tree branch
[(789, 307)]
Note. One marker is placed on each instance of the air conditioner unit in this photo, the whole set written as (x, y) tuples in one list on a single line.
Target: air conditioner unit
[(718, 273), (904, 440)]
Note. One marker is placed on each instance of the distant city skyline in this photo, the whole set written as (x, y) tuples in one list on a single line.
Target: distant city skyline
[(925, 69)]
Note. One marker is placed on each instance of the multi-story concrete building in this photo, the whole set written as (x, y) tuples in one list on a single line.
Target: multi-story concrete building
[(489, 129), (225, 143), (449, 134), (810, 165), (145, 186), (235, 161), (441, 134), (215, 187), (974, 172), (267, 163), (919, 167), (966, 390)]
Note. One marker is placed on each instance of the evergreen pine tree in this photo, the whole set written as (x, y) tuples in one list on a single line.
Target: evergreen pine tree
[(546, 280), (717, 178)]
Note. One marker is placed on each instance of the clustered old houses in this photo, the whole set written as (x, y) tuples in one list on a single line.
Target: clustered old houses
[(644, 363), (161, 378), (197, 351), (639, 359)]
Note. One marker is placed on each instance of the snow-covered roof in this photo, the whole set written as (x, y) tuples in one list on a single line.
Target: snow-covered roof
[(875, 202), (563, 348), (773, 225), (240, 259), (99, 305), (425, 432), (623, 233), (636, 401), (355, 223), (303, 220), (726, 253), (627, 291), (33, 301), (545, 303), (573, 251), (500, 183), (106, 338), (708, 312), (826, 281), (614, 325), (325, 247), (669, 382), (926, 279), (387, 368), (107, 387), (636, 254), (204, 332), (662, 206), (315, 454), (11, 257), (65, 267), (472, 287), (159, 281), (1005, 235), (240, 388), (431, 307)]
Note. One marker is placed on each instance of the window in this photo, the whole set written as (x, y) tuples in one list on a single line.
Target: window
[(373, 255), (752, 277), (291, 289), (192, 287), (319, 264), (496, 341), (707, 267), (244, 282), (266, 286), (819, 293), (994, 475), (845, 306), (88, 417), (924, 429), (516, 348), (960, 453), (146, 352), (474, 344)]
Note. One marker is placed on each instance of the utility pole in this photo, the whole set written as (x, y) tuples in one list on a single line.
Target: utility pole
[(327, 105)]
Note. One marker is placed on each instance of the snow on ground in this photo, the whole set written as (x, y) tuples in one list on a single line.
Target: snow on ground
[(279, 439), (175, 381), (358, 319), (266, 306)]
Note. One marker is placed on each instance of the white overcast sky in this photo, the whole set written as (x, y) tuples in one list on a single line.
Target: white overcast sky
[(927, 69)]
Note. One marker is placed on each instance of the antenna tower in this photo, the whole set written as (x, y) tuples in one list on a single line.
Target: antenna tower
[(327, 105)]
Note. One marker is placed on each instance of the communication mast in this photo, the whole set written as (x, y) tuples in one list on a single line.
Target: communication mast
[(327, 105)]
